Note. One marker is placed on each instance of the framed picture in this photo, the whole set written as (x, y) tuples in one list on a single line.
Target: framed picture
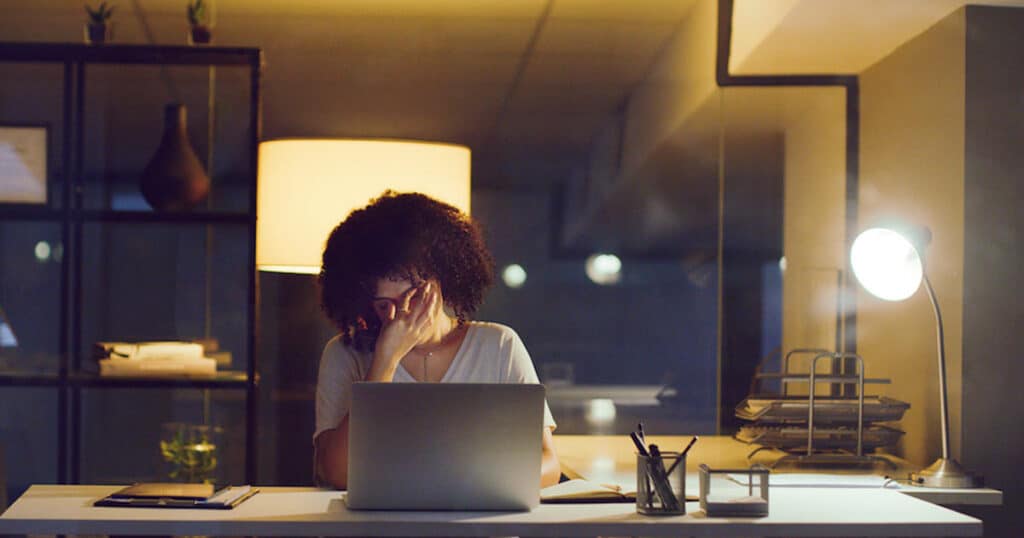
[(23, 160)]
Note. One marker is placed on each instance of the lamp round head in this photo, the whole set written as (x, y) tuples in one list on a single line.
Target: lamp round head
[(886, 263)]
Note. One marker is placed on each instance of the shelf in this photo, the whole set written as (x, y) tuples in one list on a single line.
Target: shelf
[(29, 212), (129, 54), (223, 380), (27, 379), (196, 217), (112, 254)]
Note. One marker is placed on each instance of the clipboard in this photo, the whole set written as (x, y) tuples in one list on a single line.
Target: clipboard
[(161, 495)]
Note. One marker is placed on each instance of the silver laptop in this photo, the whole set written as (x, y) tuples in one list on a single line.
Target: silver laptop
[(445, 446)]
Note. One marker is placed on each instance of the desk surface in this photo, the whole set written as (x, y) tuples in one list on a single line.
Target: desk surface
[(612, 459), (309, 512)]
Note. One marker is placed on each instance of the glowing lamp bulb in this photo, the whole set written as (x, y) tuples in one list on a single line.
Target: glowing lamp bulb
[(886, 263)]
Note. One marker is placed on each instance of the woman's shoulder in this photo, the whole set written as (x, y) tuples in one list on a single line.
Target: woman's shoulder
[(336, 351), (490, 330)]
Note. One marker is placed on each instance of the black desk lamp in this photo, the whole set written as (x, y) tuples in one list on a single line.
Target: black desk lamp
[(890, 265)]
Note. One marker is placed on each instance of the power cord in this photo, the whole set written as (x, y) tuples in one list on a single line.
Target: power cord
[(889, 480)]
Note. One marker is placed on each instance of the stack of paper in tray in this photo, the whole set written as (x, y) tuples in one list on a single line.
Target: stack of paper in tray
[(158, 359)]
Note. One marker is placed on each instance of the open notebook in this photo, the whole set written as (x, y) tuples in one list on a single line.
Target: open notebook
[(579, 490)]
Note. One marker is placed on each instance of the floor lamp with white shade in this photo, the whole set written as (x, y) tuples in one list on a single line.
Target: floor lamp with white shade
[(307, 186)]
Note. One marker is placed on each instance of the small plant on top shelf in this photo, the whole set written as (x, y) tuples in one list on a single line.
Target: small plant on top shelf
[(200, 31), (99, 28)]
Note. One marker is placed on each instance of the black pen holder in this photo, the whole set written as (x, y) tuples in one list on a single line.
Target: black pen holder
[(661, 484)]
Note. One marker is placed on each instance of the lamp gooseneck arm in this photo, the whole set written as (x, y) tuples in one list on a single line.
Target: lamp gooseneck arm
[(942, 368)]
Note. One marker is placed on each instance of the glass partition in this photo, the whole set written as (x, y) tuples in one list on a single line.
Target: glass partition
[(31, 254), (124, 124), (176, 435), (28, 448), (784, 184)]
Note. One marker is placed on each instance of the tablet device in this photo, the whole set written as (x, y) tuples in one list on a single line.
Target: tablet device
[(173, 495), (165, 490)]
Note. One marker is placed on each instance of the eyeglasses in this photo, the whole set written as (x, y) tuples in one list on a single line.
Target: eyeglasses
[(382, 305)]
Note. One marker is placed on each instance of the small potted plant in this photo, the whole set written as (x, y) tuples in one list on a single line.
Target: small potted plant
[(98, 29), (201, 31), (190, 450)]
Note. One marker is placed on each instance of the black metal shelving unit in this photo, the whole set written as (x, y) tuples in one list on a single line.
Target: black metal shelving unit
[(65, 208)]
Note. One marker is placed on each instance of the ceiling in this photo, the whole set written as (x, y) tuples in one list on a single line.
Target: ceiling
[(526, 80), (527, 84), (829, 36)]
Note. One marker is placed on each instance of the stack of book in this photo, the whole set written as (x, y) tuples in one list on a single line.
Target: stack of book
[(153, 359)]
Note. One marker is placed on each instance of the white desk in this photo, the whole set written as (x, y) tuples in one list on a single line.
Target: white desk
[(611, 458), (309, 512)]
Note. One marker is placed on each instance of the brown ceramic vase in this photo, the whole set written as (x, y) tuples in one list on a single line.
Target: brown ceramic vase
[(174, 179)]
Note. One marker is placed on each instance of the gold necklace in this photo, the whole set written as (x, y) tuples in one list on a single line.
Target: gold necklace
[(425, 357), (428, 354)]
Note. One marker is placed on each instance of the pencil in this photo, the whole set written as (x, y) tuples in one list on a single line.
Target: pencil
[(682, 455)]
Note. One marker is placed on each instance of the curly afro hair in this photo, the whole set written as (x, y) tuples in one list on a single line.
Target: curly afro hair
[(401, 236)]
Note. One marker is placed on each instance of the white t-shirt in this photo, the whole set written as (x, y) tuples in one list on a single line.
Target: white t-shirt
[(490, 353)]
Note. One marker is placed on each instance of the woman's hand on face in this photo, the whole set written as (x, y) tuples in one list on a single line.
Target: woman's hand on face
[(408, 324)]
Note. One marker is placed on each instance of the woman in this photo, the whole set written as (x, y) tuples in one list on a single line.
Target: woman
[(400, 279)]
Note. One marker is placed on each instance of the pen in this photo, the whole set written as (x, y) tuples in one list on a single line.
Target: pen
[(661, 481), (647, 474), (688, 446), (682, 455), (639, 445)]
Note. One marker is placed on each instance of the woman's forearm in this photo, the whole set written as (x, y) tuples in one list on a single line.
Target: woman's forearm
[(550, 469), (332, 455)]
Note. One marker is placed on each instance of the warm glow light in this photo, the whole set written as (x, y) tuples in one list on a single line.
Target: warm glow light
[(604, 269), (600, 411), (307, 186), (603, 465), (886, 264), (514, 275), (42, 251)]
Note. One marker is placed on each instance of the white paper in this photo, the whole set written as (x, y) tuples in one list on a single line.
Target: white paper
[(818, 480)]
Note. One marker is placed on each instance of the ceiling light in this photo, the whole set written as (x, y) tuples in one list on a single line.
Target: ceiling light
[(42, 251), (604, 269), (514, 275)]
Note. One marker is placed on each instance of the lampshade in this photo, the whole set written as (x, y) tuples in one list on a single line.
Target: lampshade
[(886, 263), (307, 186)]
